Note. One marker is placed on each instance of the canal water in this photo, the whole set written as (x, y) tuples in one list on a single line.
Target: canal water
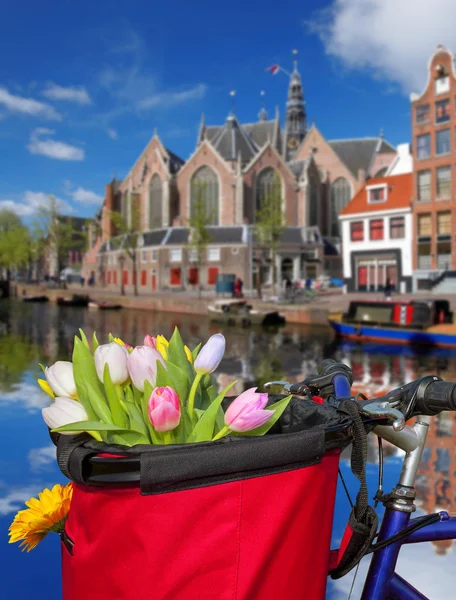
[(32, 334)]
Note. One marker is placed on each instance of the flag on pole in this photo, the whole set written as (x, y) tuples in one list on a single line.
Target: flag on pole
[(273, 69)]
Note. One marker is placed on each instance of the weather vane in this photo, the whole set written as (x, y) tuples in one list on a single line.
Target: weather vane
[(232, 94)]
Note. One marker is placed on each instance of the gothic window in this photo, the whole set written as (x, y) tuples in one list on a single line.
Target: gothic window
[(125, 207), (205, 188), (268, 185), (340, 197), (155, 202), (312, 196)]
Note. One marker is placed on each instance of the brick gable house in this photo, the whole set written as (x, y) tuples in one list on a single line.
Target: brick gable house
[(237, 163)]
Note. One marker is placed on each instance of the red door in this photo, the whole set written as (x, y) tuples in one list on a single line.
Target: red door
[(175, 276), (362, 278), (125, 277), (212, 273), (193, 276), (115, 277), (154, 282), (144, 277)]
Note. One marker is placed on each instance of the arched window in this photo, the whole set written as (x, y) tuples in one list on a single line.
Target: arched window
[(205, 189), (155, 202), (125, 207), (340, 197), (268, 187)]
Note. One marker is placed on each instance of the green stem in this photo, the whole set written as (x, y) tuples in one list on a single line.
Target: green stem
[(221, 433), (167, 437), (191, 396)]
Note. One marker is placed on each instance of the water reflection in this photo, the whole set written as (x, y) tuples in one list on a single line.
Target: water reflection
[(32, 334)]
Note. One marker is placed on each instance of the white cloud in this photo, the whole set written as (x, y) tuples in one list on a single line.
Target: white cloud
[(53, 148), (112, 134), (32, 202), (83, 196), (16, 497), (28, 106), (69, 94), (28, 395), (40, 458), (168, 99), (392, 40)]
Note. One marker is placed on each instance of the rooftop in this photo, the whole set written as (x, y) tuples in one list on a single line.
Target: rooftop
[(399, 195)]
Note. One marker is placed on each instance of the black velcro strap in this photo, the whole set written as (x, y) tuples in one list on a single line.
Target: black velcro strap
[(363, 519), (231, 459), (71, 456)]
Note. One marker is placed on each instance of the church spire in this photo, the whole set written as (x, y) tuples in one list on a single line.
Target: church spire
[(296, 118), (263, 114)]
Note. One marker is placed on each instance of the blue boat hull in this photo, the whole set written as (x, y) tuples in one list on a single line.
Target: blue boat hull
[(393, 335)]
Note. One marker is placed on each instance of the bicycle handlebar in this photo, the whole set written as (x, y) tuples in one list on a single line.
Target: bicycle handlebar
[(434, 396)]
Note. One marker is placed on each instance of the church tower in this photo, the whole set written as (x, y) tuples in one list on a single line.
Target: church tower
[(295, 119)]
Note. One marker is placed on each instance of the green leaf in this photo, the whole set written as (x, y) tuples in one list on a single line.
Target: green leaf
[(43, 368), (278, 408), (204, 429), (84, 339), (92, 426), (137, 421), (176, 352), (195, 352), (118, 415), (110, 337), (95, 343), (90, 390)]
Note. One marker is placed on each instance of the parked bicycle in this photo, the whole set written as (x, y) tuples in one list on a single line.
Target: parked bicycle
[(387, 418)]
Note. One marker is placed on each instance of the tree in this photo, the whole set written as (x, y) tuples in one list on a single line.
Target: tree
[(14, 243), (270, 224), (199, 237), (130, 234), (56, 235)]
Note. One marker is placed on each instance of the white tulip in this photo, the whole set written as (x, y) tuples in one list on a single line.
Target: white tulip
[(61, 379), (115, 356), (64, 411)]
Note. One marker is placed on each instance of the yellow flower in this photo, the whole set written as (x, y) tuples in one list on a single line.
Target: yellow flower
[(44, 385), (162, 344), (188, 354), (43, 515), (122, 343)]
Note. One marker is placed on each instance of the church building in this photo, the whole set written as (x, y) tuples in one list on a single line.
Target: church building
[(232, 168)]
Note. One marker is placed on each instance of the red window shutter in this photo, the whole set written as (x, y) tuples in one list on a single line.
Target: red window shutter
[(125, 277), (193, 278), (376, 229), (144, 277), (357, 231), (154, 282), (109, 276), (175, 276), (115, 277), (212, 273)]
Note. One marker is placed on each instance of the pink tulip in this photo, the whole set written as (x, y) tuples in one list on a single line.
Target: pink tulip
[(150, 341), (246, 412), (142, 366), (164, 409)]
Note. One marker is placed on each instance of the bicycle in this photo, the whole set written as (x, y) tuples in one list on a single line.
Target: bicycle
[(387, 418)]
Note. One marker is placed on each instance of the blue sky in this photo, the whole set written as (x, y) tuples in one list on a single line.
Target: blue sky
[(84, 84)]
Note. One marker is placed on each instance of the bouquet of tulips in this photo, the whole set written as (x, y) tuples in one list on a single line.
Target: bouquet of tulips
[(158, 393)]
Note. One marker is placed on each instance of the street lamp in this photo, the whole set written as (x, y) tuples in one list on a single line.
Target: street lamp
[(121, 263)]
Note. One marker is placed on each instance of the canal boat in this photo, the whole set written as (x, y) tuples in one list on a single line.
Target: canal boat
[(239, 312), (35, 299), (74, 300), (104, 305), (428, 322)]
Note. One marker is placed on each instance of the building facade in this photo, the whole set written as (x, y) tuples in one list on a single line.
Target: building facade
[(233, 168), (434, 187), (376, 235)]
